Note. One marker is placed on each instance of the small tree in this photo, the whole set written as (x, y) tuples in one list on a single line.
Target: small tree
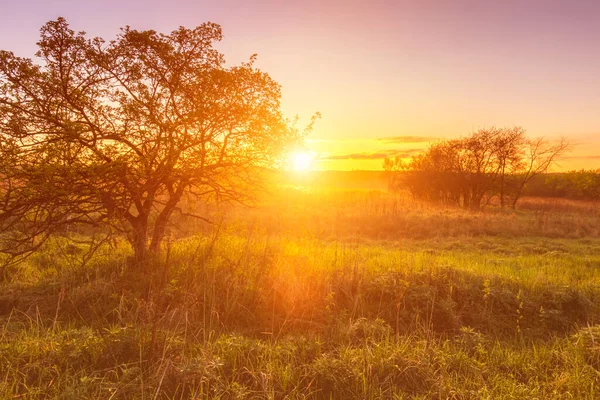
[(115, 134)]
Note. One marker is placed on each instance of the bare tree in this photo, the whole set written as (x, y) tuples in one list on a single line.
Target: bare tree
[(477, 165), (539, 157), (510, 145), (115, 134)]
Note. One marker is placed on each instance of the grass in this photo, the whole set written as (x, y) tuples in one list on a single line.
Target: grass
[(319, 303)]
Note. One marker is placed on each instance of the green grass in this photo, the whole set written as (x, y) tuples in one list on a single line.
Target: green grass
[(268, 311), (366, 360)]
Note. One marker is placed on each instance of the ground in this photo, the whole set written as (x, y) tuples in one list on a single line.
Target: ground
[(318, 294)]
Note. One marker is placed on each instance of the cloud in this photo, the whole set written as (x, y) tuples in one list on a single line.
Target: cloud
[(597, 157), (408, 139), (373, 156)]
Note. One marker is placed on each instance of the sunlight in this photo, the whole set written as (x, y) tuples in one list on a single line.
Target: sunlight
[(302, 161)]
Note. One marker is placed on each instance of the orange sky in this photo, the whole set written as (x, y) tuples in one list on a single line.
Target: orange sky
[(387, 76)]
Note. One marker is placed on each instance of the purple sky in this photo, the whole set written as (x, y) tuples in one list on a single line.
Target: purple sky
[(386, 68)]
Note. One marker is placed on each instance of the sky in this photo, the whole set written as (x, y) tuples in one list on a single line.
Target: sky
[(388, 77)]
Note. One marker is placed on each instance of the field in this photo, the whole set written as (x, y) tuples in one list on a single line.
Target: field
[(318, 294)]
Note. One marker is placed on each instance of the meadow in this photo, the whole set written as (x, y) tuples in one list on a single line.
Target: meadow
[(318, 294)]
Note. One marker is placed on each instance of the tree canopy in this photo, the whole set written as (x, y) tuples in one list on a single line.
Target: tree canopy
[(495, 162), (114, 134)]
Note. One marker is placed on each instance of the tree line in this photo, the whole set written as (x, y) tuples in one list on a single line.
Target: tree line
[(471, 171), (580, 185)]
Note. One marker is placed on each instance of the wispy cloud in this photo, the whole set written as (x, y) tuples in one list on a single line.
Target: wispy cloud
[(594, 157), (408, 139), (373, 156)]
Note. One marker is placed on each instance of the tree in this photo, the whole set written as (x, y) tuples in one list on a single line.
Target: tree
[(432, 175), (114, 135), (509, 152), (472, 170), (477, 165), (540, 155), (392, 168), (462, 171)]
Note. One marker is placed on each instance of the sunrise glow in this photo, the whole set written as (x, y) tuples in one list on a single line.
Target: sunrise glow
[(302, 161)]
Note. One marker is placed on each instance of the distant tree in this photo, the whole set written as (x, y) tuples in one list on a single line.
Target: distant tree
[(393, 167), (116, 134), (510, 144), (581, 185), (540, 155), (586, 184), (462, 171), (472, 170), (478, 165), (432, 175)]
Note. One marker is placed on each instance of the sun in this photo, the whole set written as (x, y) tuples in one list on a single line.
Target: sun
[(302, 161)]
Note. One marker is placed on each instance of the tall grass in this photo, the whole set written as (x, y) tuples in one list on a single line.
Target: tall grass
[(373, 215), (317, 301)]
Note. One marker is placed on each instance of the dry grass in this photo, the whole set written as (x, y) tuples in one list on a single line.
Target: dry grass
[(319, 294), (336, 215)]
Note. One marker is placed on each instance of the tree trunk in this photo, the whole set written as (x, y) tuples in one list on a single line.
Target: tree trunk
[(466, 200), (502, 187), (158, 235), (160, 227), (476, 203), (476, 199), (518, 194), (139, 242), (516, 199)]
